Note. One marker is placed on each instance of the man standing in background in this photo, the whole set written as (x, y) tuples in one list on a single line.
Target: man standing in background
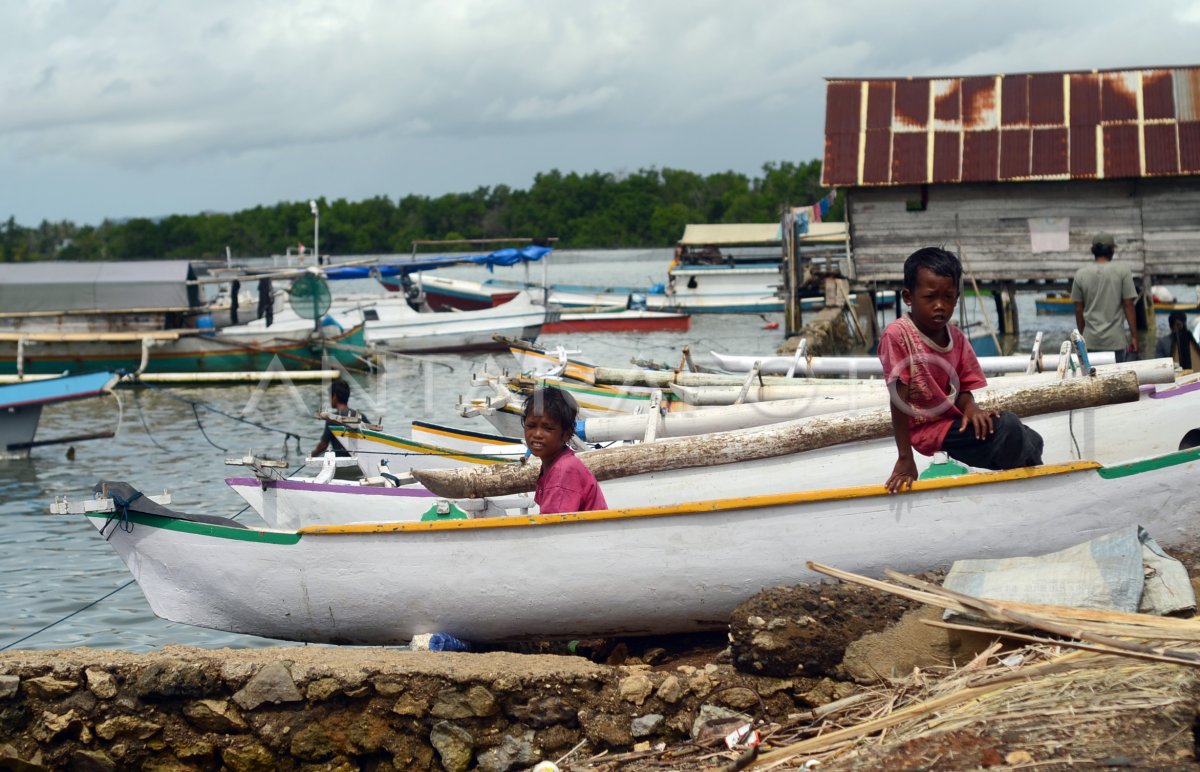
[(1104, 293)]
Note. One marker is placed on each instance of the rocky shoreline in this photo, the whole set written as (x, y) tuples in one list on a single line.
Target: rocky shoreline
[(793, 656), (348, 708)]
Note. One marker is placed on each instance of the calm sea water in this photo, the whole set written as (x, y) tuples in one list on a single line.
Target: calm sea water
[(56, 571)]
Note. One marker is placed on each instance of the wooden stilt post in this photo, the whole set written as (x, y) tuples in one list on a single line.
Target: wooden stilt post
[(1008, 297), (1002, 323), (792, 316), (1145, 309)]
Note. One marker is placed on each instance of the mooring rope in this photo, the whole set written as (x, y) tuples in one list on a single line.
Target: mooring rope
[(120, 514), (123, 514), (200, 426), (197, 404), (138, 404)]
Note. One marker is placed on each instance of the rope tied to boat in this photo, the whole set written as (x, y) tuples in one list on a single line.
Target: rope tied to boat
[(133, 379), (120, 514), (124, 505), (204, 434)]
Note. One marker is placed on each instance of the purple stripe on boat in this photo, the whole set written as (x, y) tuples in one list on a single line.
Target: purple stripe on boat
[(1175, 392), (409, 491)]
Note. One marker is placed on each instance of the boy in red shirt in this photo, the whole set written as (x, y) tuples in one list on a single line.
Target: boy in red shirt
[(564, 484), (931, 370)]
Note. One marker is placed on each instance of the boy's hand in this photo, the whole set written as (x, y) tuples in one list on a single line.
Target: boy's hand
[(904, 473), (980, 421)]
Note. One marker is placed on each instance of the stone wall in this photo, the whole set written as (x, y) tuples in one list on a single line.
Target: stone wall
[(355, 708)]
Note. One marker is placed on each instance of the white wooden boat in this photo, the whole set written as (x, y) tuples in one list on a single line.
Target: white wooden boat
[(1156, 424), (399, 328), (445, 293), (298, 502), (393, 325), (322, 499), (850, 447), (691, 289), (753, 288), (466, 440), (617, 319), (817, 399), (402, 455), (725, 288), (385, 492), (668, 569)]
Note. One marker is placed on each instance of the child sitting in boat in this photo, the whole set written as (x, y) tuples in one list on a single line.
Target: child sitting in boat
[(565, 484), (339, 399), (931, 371)]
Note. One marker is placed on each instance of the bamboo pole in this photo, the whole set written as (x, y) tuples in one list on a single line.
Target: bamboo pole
[(829, 398), (769, 441)]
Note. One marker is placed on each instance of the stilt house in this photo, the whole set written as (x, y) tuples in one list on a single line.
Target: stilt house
[(1016, 172)]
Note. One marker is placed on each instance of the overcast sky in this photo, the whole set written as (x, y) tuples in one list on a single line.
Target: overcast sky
[(124, 108)]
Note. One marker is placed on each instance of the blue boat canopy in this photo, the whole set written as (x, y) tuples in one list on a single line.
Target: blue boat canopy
[(503, 257)]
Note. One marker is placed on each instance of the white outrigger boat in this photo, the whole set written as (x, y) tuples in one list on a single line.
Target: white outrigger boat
[(385, 491), (799, 454), (762, 461), (391, 324), (872, 367), (666, 569)]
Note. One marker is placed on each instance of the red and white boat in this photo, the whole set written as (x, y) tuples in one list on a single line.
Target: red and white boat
[(616, 319)]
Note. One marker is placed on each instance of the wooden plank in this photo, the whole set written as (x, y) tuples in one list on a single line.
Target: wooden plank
[(768, 441), (993, 222), (93, 337)]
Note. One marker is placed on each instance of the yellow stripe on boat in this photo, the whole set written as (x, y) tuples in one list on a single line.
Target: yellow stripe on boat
[(465, 437), (717, 505), (420, 448)]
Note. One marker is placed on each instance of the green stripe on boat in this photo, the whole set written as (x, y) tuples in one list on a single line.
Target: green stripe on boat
[(206, 529), (596, 392), (1149, 464), (415, 448)]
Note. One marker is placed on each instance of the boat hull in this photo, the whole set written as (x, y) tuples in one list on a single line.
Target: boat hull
[(21, 405), (1154, 425), (293, 504), (403, 455), (220, 352), (619, 321), (1157, 423), (18, 426), (412, 332), (450, 295), (660, 570)]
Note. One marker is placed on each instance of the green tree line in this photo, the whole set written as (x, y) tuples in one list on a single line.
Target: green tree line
[(648, 208)]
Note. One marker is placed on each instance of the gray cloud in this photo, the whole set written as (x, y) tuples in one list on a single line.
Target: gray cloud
[(153, 98)]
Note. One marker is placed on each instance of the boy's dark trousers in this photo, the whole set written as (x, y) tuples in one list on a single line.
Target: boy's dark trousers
[(1011, 445)]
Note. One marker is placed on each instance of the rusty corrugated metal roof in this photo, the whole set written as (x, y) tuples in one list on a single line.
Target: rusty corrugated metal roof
[(1046, 125)]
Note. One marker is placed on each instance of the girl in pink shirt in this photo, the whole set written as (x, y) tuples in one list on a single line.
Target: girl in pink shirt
[(564, 484)]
